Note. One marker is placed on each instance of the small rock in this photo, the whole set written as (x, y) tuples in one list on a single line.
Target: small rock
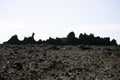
[(18, 66)]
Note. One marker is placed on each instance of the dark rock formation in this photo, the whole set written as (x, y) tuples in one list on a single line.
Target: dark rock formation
[(50, 41), (91, 40), (83, 39), (56, 41), (39, 41), (113, 42), (29, 40), (71, 39), (18, 66), (13, 40)]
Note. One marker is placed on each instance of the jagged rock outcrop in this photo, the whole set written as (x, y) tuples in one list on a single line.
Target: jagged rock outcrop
[(29, 40), (13, 40), (91, 40), (71, 39), (83, 39), (113, 42)]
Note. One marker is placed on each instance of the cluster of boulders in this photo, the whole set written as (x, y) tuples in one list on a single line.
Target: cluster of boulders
[(83, 39)]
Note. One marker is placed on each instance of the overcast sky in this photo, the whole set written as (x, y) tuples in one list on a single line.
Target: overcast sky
[(56, 18)]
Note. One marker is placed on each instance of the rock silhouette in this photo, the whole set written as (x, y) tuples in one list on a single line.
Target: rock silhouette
[(91, 40), (13, 40), (29, 40), (83, 39), (71, 39)]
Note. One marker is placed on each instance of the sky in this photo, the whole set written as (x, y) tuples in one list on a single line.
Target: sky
[(56, 18)]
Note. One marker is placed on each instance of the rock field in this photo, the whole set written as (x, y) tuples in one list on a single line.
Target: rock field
[(50, 62)]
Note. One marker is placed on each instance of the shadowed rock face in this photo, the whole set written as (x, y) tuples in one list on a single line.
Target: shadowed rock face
[(29, 40), (91, 40), (83, 39), (13, 40), (71, 39)]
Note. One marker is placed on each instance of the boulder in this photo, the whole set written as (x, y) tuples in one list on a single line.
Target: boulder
[(13, 40)]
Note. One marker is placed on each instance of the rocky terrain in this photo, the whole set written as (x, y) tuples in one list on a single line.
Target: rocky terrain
[(63, 62)]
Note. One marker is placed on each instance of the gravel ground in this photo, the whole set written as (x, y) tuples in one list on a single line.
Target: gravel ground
[(49, 62)]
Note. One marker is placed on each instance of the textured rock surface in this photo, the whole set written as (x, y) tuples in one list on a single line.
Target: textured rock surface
[(48, 62)]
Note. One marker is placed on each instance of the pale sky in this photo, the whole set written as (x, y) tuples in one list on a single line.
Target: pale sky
[(56, 18)]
